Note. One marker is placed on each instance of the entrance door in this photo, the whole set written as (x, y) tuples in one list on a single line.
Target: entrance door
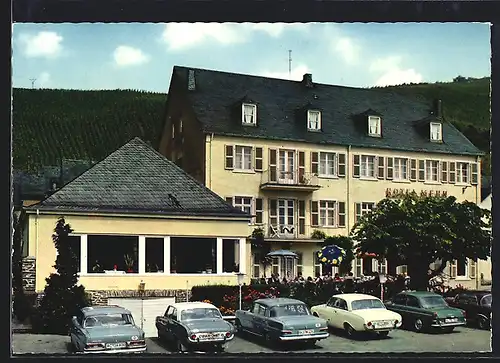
[(286, 172), (286, 217)]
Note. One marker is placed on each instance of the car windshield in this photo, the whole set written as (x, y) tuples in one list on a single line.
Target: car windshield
[(289, 310), (108, 320), (486, 300), (433, 301), (200, 313), (367, 304)]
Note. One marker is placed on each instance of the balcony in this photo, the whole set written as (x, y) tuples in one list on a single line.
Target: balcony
[(288, 232), (273, 179)]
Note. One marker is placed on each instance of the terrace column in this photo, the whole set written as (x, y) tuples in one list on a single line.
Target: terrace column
[(142, 255), (218, 253), (83, 254), (243, 255), (166, 254)]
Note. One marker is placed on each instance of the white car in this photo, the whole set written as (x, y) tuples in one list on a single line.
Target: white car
[(358, 313)]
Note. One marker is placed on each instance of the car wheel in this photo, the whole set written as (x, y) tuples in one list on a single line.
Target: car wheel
[(448, 329), (349, 330), (310, 343), (418, 325), (237, 325), (219, 348), (483, 323), (180, 347), (383, 334)]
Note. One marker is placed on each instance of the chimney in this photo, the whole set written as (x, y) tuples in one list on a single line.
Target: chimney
[(191, 80), (438, 108), (307, 80)]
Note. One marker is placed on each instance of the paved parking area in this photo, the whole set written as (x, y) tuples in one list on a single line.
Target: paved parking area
[(461, 340)]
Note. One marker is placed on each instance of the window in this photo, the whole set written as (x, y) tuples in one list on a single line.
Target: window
[(193, 255), (399, 299), (275, 266), (249, 114), (230, 255), (331, 302), (313, 120), (115, 254), (75, 245), (400, 169), (259, 211), (367, 166), (327, 164), (458, 268), (472, 269), (318, 271), (431, 170), (358, 266), (341, 304), (412, 301), (299, 263), (401, 270), (374, 128), (256, 265), (380, 266), (327, 213), (436, 131), (243, 158), (243, 203), (363, 208), (462, 173), (154, 255)]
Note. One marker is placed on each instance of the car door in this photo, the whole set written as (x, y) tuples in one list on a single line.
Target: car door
[(173, 324), (398, 304), (414, 309), (163, 323), (330, 314), (77, 333), (246, 317), (260, 320), (471, 306), (341, 313)]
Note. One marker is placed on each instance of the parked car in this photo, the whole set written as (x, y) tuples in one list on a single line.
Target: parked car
[(422, 310), (282, 319), (106, 329), (358, 313), (194, 325), (477, 306)]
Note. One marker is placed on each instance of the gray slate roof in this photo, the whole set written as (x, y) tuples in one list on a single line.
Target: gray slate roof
[(279, 104), (137, 179)]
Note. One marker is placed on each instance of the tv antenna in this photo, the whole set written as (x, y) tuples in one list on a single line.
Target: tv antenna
[(32, 82), (289, 63)]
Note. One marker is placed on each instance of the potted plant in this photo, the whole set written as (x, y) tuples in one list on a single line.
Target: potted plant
[(129, 263)]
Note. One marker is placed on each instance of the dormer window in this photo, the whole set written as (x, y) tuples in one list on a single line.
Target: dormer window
[(374, 126), (249, 114), (436, 130), (313, 120)]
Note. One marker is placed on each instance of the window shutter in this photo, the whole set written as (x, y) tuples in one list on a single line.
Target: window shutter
[(453, 269), (413, 169), (273, 171), (421, 170), (259, 210), (355, 166), (357, 210), (229, 200), (444, 172), (341, 166), (258, 159), (229, 151), (472, 268), (341, 214), (302, 217), (474, 173), (314, 163), (381, 167), (273, 213), (390, 168), (452, 172), (302, 166), (314, 213)]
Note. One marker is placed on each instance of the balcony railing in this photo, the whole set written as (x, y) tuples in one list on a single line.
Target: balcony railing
[(285, 231), (289, 180)]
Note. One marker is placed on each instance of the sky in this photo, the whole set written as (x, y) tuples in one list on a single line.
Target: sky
[(141, 55)]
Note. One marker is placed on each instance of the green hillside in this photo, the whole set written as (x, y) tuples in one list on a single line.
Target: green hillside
[(49, 124)]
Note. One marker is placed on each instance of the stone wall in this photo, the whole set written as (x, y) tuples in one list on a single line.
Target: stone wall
[(101, 297), (29, 273)]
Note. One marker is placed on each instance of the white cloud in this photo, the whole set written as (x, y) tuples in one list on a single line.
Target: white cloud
[(46, 44), (181, 36), (347, 49), (392, 72), (125, 55), (296, 74), (43, 79)]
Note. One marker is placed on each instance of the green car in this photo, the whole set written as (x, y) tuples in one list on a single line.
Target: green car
[(422, 310)]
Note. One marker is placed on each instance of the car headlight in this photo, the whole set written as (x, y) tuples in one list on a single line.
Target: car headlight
[(134, 337)]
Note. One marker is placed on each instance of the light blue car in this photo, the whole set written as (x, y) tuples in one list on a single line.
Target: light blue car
[(106, 329)]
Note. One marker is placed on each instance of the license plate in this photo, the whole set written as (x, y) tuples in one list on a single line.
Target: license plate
[(303, 332), (209, 336), (383, 324), (116, 345), (451, 320)]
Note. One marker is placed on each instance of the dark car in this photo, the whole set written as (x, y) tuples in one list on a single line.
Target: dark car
[(422, 310), (194, 326), (477, 306), (282, 319)]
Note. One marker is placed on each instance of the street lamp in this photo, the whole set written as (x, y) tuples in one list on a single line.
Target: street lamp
[(383, 280), (241, 277)]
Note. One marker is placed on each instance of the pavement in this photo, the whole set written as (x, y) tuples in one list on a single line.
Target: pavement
[(460, 340)]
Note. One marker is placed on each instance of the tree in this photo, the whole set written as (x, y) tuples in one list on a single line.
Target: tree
[(418, 231), (62, 296), (347, 244)]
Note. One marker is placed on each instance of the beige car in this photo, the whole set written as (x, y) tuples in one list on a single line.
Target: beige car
[(357, 313)]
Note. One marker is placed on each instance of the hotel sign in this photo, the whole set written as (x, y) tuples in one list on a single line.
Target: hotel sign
[(400, 193)]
